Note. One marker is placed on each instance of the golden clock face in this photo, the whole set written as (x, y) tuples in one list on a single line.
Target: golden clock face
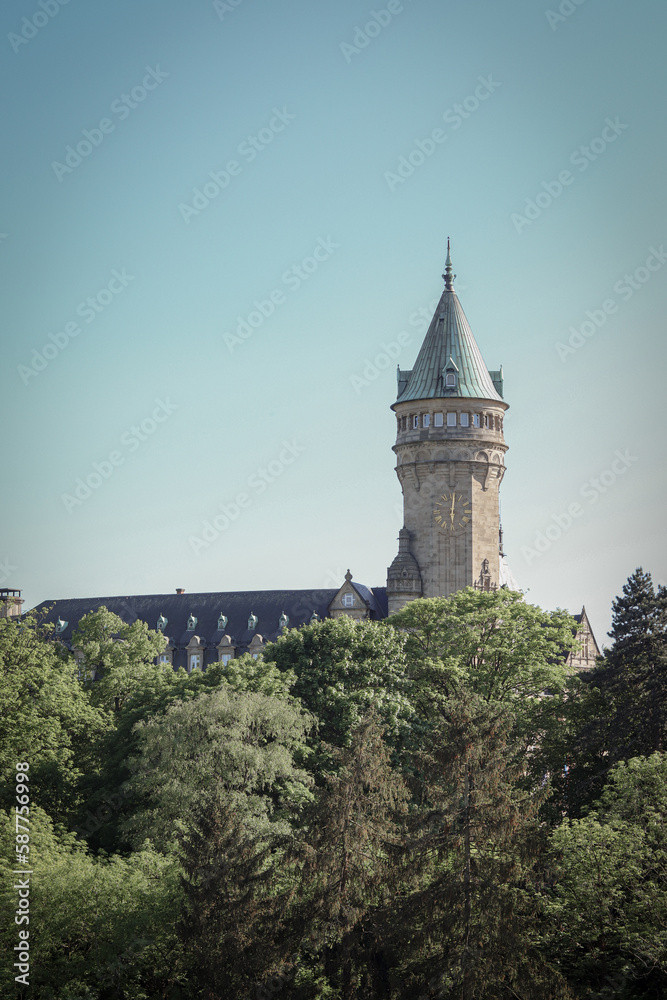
[(453, 512)]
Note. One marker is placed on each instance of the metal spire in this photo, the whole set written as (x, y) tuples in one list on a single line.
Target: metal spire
[(448, 276)]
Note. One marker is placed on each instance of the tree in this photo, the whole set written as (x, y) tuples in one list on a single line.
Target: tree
[(352, 835), (122, 656), (620, 708), (343, 669), (99, 928), (470, 926), (46, 718), (242, 743), (496, 646), (500, 647), (235, 895), (609, 905), (633, 674)]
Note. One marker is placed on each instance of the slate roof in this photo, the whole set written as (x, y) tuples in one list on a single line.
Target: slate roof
[(267, 605), (449, 338)]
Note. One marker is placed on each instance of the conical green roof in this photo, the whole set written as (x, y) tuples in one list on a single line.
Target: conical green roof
[(448, 340)]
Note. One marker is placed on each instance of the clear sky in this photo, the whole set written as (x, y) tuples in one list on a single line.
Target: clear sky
[(217, 217)]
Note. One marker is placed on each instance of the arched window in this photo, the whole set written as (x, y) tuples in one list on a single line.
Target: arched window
[(450, 380)]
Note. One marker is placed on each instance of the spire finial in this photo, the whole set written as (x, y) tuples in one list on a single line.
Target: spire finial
[(448, 276)]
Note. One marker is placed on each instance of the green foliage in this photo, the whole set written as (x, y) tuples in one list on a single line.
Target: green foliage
[(343, 669), (619, 710), (347, 872), (46, 718), (121, 654), (108, 805), (241, 743), (233, 901), (492, 642), (504, 651), (244, 673), (473, 852), (436, 880), (99, 927), (610, 902)]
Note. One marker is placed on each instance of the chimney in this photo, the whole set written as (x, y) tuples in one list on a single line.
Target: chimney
[(180, 590)]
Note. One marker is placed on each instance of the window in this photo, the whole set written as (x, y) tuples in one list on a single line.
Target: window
[(486, 419), (164, 658), (426, 420), (195, 661), (348, 600), (450, 380), (437, 420), (451, 420), (225, 658), (475, 419), (415, 420), (465, 420)]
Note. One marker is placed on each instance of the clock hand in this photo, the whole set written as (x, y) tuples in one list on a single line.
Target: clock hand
[(451, 513)]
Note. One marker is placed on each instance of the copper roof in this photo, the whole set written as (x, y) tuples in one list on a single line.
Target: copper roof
[(449, 339)]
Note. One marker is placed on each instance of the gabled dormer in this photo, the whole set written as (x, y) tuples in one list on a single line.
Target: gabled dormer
[(351, 601)]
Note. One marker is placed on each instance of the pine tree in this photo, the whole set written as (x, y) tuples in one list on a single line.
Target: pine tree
[(621, 710), (347, 872), (636, 666), (470, 927), (235, 899)]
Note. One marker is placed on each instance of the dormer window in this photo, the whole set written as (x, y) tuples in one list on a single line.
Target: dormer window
[(61, 625), (283, 621), (252, 622), (451, 374), (348, 600), (222, 622), (192, 623), (161, 623)]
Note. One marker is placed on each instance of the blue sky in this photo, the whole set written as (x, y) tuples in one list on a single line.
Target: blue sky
[(200, 348)]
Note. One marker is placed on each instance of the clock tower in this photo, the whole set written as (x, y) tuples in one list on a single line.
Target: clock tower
[(450, 461)]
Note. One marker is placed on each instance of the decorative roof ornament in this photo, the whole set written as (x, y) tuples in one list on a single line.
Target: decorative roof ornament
[(448, 276)]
